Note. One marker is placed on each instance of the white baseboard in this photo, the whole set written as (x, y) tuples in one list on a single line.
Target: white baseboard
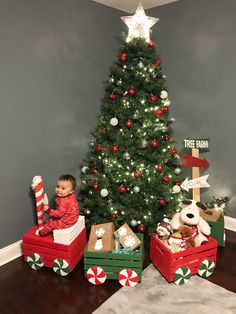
[(230, 223), (10, 252)]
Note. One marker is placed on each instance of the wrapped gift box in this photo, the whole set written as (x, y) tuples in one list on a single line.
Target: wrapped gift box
[(101, 238), (127, 237)]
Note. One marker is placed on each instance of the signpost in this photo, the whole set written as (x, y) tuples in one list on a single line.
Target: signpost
[(195, 162)]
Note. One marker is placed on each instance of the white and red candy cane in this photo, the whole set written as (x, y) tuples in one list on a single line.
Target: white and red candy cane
[(37, 186), (128, 277)]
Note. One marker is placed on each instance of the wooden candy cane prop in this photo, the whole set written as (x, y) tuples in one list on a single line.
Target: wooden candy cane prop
[(37, 186)]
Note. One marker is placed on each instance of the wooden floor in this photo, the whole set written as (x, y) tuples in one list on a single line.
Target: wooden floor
[(26, 291)]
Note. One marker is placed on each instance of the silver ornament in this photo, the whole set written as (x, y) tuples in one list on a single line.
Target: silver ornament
[(135, 116), (83, 182), (90, 192), (177, 170), (126, 156), (92, 143), (111, 80), (164, 129), (133, 223), (139, 222), (87, 212), (144, 143), (84, 169), (136, 189), (140, 65), (119, 82), (105, 161)]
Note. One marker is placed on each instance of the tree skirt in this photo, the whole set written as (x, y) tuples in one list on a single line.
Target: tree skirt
[(156, 296)]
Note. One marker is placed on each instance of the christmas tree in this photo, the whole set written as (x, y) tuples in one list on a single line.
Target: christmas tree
[(132, 173)]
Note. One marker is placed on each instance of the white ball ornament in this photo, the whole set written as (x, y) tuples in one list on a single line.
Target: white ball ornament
[(136, 189), (84, 169), (105, 161), (126, 156), (104, 192), (176, 189), (167, 103), (133, 223), (163, 94), (114, 121), (177, 170)]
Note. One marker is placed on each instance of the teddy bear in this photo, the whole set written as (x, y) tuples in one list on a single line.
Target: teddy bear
[(164, 231), (185, 231), (190, 216)]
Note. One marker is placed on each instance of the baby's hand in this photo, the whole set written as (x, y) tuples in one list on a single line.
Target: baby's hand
[(45, 203), (37, 232)]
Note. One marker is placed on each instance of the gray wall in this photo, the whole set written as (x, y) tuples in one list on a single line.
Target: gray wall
[(196, 40), (54, 57)]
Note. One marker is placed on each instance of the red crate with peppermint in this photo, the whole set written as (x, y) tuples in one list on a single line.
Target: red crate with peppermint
[(180, 266)]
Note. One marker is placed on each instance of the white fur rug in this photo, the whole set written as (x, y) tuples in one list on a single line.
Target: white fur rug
[(156, 296)]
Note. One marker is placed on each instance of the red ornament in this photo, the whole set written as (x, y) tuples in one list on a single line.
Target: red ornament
[(113, 216), (151, 43), (96, 186), (123, 57), (162, 201), (99, 148), (165, 109), (178, 182), (153, 99), (141, 228), (129, 124), (112, 96), (154, 144), (159, 168), (137, 174), (122, 188), (159, 112), (166, 179), (114, 148), (158, 62), (173, 151), (166, 137), (94, 171), (131, 92)]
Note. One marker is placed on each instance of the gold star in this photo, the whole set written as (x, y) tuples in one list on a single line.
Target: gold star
[(139, 24)]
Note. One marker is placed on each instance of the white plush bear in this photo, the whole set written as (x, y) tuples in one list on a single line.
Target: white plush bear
[(190, 215)]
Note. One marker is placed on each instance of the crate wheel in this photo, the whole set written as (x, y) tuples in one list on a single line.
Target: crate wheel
[(61, 267), (128, 277), (35, 261), (206, 268), (96, 275), (182, 275)]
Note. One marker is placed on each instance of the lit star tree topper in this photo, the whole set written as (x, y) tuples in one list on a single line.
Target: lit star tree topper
[(139, 24)]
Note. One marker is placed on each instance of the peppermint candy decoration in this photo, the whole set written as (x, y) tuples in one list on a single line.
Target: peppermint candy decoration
[(182, 276), (35, 261), (128, 277), (206, 268), (61, 267), (96, 275)]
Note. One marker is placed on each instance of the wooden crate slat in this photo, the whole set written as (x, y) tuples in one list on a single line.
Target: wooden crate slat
[(193, 257), (113, 262)]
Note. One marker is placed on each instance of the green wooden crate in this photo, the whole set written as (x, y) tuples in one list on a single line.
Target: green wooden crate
[(218, 230), (113, 263)]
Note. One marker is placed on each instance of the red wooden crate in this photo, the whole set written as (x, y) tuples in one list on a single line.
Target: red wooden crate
[(168, 263), (49, 251)]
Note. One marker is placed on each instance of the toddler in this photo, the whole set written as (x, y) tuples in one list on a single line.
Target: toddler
[(66, 213)]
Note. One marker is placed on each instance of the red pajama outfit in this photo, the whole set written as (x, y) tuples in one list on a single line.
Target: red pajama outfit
[(64, 216)]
